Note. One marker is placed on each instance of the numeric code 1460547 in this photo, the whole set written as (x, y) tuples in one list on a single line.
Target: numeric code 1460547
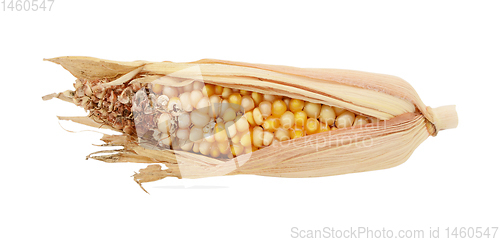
[(27, 5)]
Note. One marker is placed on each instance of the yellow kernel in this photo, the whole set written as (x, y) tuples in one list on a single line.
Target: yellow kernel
[(246, 140), (237, 149), (248, 150), (278, 108), (287, 120), (226, 91), (229, 115), (324, 127), (327, 115), (258, 136), (345, 119), (287, 102), (265, 108), (257, 116), (312, 126), (223, 147), (300, 118), (196, 147), (312, 109), (208, 90), (282, 134), (296, 132), (257, 97), (360, 120), (296, 105), (231, 129), (236, 139), (235, 100), (220, 132), (218, 90), (249, 117), (271, 124)]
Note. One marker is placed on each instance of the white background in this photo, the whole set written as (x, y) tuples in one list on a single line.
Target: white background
[(448, 50)]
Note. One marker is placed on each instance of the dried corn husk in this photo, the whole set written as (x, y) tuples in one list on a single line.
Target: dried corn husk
[(406, 121)]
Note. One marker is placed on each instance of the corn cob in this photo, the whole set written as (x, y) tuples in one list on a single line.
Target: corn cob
[(212, 117)]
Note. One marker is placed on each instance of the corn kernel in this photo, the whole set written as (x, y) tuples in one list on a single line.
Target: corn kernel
[(249, 117), (312, 109), (282, 134), (218, 90), (287, 120), (360, 120), (265, 108), (226, 91), (296, 132), (208, 90), (257, 116), (258, 136), (312, 126), (247, 103), (271, 124), (296, 105), (278, 108), (257, 98), (324, 127), (327, 115), (345, 119), (300, 118)]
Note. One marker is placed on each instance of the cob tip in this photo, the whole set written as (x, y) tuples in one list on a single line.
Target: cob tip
[(444, 117)]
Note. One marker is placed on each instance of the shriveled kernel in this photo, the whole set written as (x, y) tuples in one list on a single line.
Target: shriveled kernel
[(205, 147), (327, 115), (296, 132), (208, 90), (257, 116), (296, 105), (258, 136), (265, 108), (344, 120), (247, 103), (249, 117), (360, 120), (174, 104), (312, 109), (338, 110), (218, 90), (226, 91), (300, 118), (231, 129), (324, 127), (312, 126), (282, 134), (242, 125), (287, 120), (271, 124), (278, 108), (267, 138), (257, 98)]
